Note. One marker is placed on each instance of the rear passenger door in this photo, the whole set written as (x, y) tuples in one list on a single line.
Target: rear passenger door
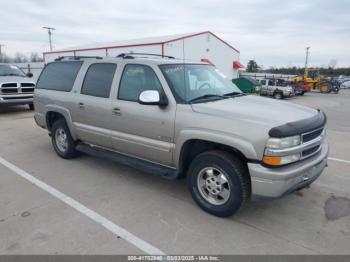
[(145, 131), (93, 106)]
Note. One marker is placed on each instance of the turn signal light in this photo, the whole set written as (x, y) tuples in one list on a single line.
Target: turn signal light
[(272, 160)]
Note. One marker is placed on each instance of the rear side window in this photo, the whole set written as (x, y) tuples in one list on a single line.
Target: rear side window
[(98, 80), (59, 76)]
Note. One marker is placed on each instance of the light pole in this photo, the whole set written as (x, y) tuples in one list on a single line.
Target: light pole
[(49, 31), (306, 62), (1, 51)]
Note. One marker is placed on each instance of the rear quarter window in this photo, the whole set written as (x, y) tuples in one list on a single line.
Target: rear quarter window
[(59, 76)]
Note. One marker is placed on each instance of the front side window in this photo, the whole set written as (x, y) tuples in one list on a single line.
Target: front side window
[(191, 81), (135, 80), (263, 82), (98, 80), (59, 76)]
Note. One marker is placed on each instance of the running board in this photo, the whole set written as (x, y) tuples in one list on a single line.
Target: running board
[(136, 163)]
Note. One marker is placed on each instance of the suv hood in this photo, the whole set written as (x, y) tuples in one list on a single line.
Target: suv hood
[(264, 111)]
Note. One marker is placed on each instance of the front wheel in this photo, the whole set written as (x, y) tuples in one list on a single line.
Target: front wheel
[(219, 183), (277, 95), (62, 141)]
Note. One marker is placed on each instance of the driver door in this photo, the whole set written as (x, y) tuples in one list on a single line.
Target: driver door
[(145, 131)]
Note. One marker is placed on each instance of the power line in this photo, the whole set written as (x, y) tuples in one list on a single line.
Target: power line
[(49, 31)]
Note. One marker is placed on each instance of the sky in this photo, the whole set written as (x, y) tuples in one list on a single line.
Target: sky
[(273, 33)]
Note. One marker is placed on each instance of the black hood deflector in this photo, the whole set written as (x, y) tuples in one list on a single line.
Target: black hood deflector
[(299, 127)]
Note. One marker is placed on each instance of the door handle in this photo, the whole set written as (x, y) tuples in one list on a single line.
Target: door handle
[(81, 105), (116, 111)]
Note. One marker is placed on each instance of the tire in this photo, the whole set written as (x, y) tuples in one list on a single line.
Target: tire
[(31, 106), (235, 187), (277, 95), (65, 148), (302, 93), (324, 88)]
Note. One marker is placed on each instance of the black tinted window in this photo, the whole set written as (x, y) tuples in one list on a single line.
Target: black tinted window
[(263, 82), (59, 76), (135, 79), (98, 80)]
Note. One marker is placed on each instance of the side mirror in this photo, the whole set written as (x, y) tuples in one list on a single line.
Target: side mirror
[(152, 97), (29, 74)]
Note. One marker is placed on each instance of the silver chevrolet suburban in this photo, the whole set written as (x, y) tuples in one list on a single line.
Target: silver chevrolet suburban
[(177, 119), (16, 87)]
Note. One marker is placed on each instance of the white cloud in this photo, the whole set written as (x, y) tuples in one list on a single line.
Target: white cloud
[(274, 33)]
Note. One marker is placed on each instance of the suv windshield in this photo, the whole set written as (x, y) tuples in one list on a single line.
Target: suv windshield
[(10, 70), (196, 82)]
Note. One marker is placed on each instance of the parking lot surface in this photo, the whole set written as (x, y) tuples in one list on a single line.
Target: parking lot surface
[(159, 212)]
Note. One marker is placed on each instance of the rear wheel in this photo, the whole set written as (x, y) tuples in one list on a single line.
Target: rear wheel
[(31, 106), (62, 141), (218, 182)]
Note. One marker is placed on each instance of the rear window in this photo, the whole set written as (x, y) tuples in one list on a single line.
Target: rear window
[(98, 80), (59, 76)]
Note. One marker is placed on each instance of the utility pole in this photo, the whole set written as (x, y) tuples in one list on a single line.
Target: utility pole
[(306, 62), (1, 51), (49, 31)]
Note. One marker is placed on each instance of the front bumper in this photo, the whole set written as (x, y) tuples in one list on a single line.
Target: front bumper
[(277, 182), (18, 99)]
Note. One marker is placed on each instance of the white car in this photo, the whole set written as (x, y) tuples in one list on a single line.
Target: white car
[(345, 84)]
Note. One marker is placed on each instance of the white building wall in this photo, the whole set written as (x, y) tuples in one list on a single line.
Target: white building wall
[(195, 48), (152, 49), (205, 46)]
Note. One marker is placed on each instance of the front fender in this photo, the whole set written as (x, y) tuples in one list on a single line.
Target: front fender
[(237, 142)]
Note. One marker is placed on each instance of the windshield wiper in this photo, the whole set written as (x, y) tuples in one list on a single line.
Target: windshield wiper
[(234, 93), (204, 97)]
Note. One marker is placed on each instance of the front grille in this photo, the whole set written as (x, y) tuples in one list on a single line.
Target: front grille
[(9, 90), (9, 85), (312, 135), (310, 151), (27, 90), (27, 85)]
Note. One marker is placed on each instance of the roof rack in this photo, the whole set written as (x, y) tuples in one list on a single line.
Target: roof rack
[(76, 57), (132, 55)]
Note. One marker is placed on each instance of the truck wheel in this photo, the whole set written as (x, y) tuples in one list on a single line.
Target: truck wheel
[(277, 95), (219, 183), (62, 140), (31, 106)]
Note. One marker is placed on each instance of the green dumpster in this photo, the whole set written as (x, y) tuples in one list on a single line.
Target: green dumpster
[(246, 84)]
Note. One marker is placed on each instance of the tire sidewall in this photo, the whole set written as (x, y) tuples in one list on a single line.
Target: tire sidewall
[(233, 204), (70, 152)]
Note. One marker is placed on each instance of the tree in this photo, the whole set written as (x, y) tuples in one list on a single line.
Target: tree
[(34, 57), (20, 58), (252, 67)]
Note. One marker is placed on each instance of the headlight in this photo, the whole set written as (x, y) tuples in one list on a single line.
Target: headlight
[(279, 143), (274, 145)]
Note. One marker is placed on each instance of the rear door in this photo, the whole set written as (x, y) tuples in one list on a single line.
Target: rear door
[(145, 131), (93, 105)]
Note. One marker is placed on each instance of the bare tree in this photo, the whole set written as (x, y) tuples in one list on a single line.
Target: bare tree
[(20, 58), (34, 57)]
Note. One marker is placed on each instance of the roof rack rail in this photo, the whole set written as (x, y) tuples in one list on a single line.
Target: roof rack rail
[(76, 57), (131, 55)]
